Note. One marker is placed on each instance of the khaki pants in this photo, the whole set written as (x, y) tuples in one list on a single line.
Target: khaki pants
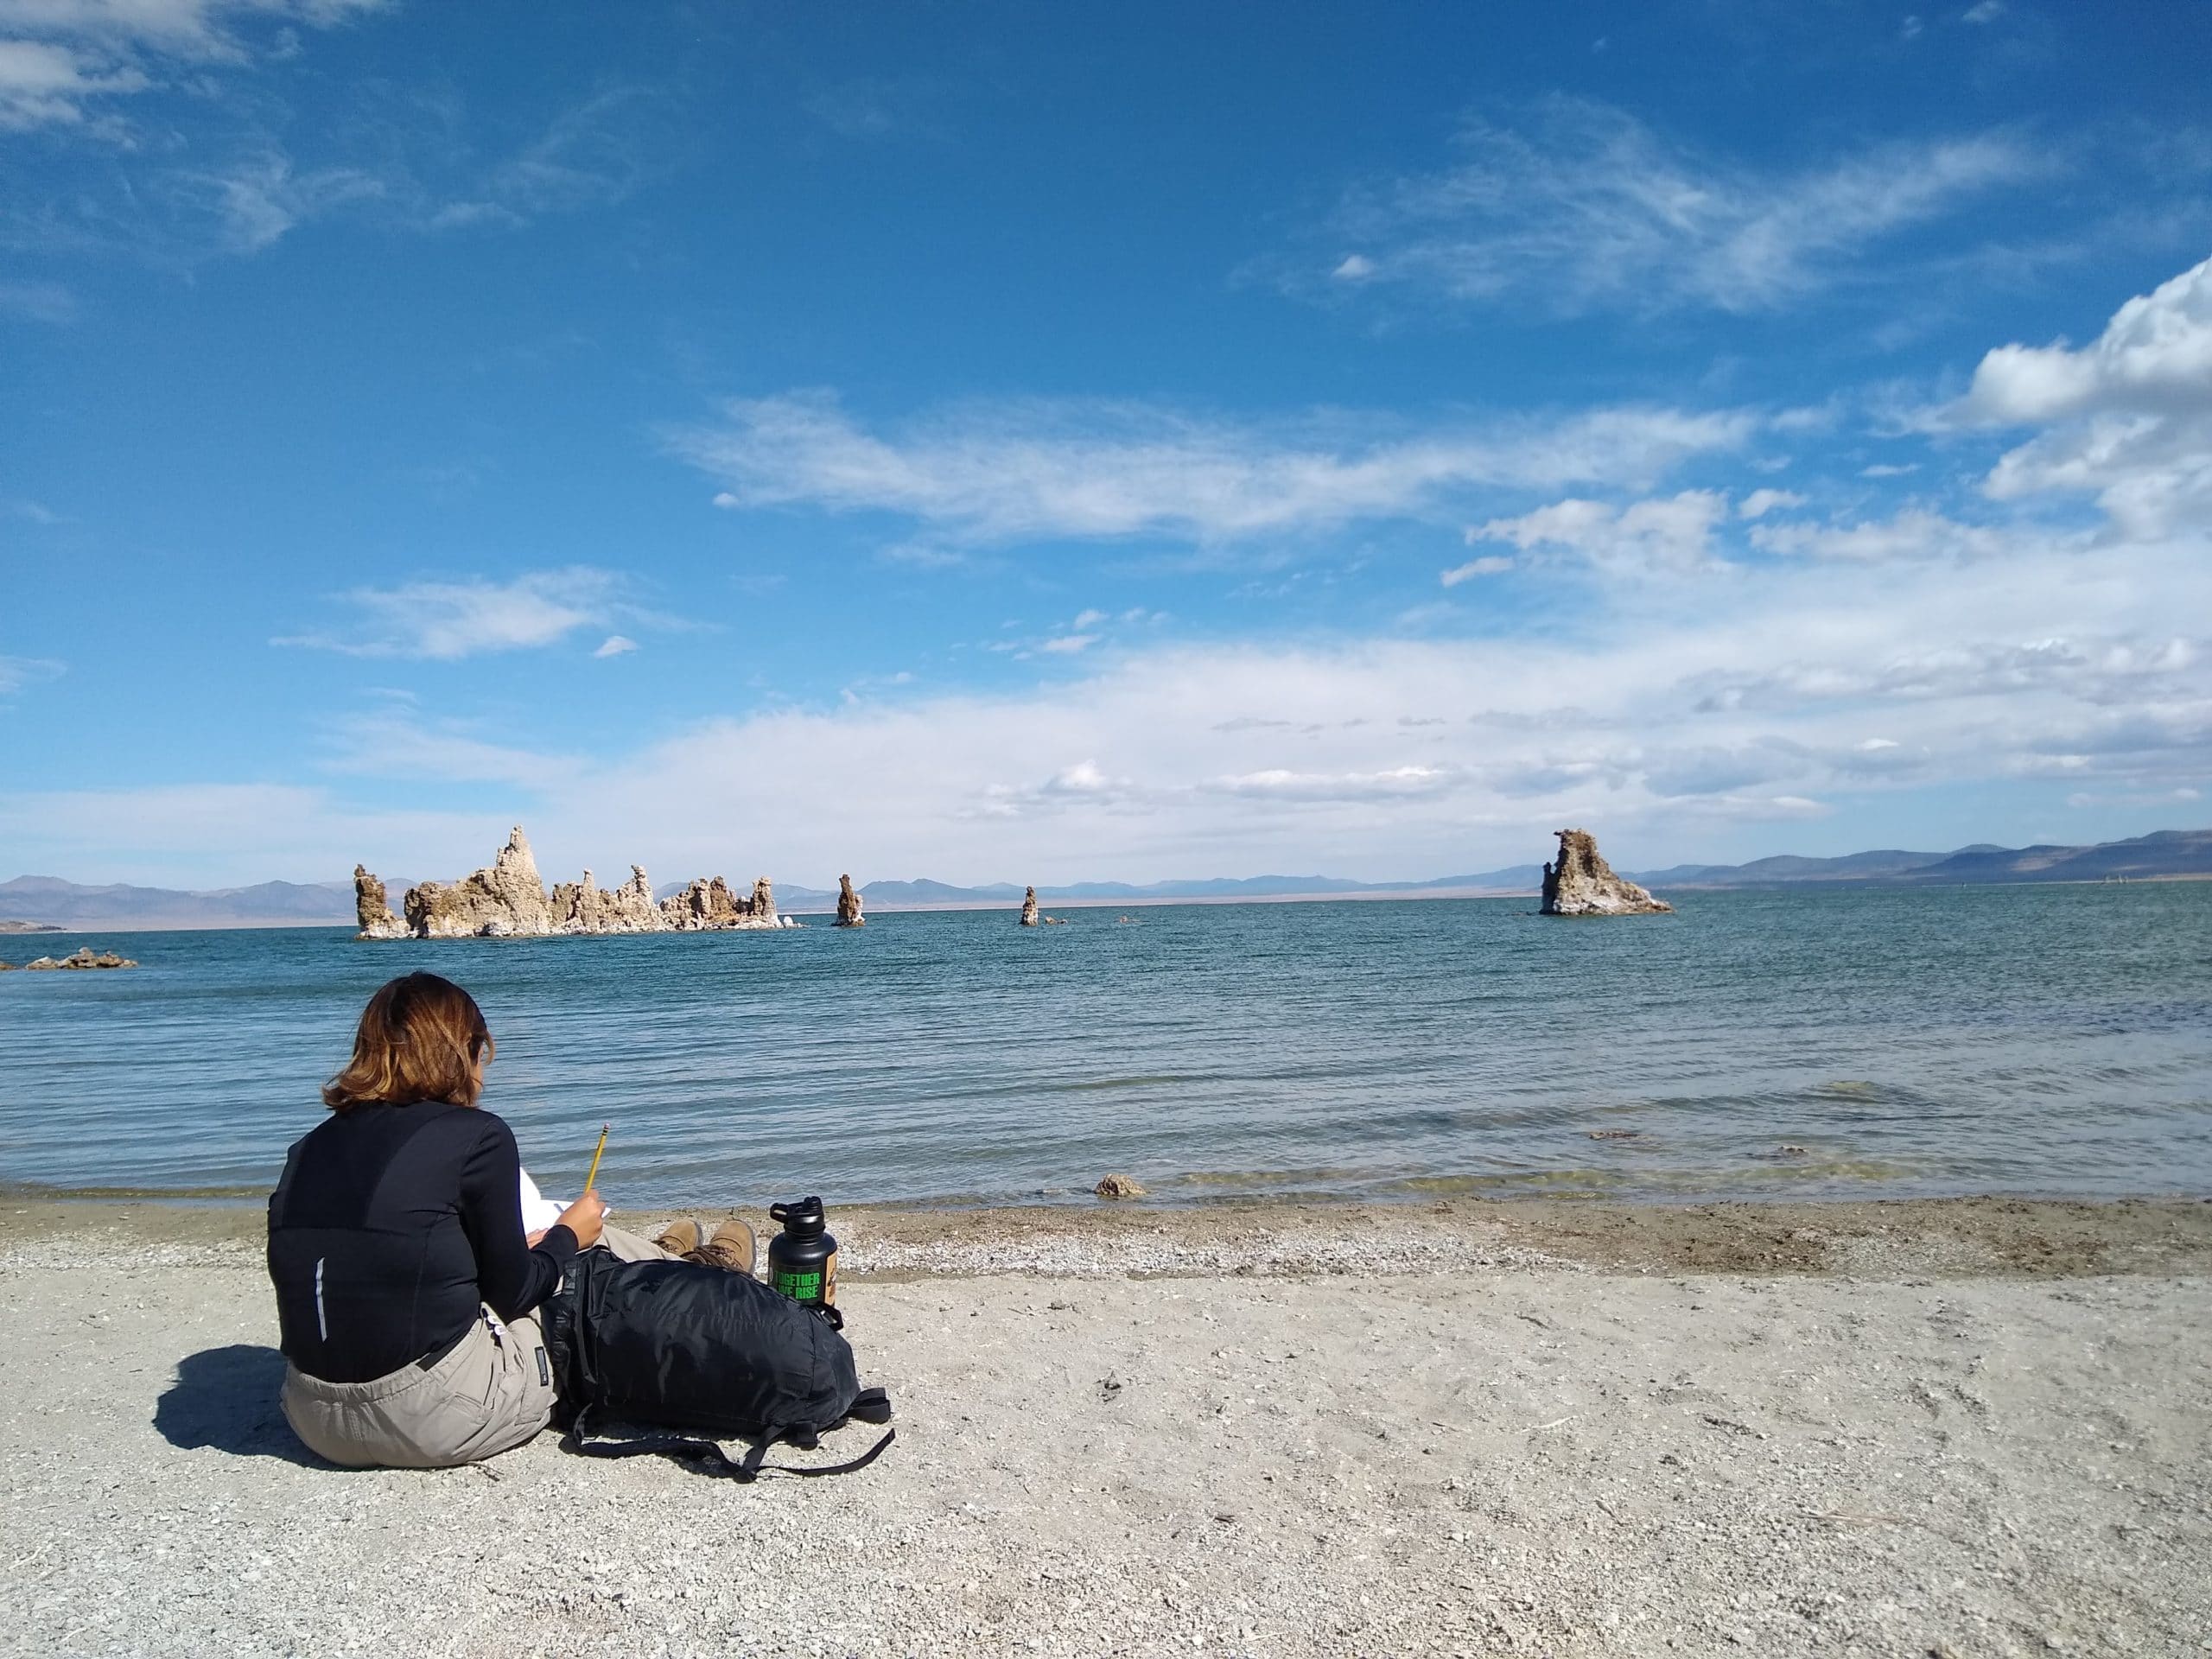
[(491, 1394), (493, 1391)]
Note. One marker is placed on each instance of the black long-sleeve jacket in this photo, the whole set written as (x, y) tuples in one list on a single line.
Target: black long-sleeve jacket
[(390, 1226)]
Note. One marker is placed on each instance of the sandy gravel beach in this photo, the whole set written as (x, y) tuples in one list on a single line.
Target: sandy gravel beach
[(1974, 1427)]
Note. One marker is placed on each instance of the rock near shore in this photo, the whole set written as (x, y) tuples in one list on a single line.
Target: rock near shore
[(1582, 883), (848, 904)]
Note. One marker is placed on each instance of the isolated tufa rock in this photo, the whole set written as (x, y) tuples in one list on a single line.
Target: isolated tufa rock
[(586, 907), (1118, 1186), (1583, 883), (848, 904), (1029, 908), (507, 902), (372, 910), (764, 904), (82, 957)]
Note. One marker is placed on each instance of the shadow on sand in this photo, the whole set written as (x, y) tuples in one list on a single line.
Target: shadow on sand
[(226, 1398)]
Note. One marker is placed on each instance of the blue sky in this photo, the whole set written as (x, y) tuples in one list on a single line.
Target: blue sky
[(1012, 442)]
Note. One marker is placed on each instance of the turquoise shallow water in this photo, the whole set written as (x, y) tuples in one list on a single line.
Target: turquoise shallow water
[(2050, 1040)]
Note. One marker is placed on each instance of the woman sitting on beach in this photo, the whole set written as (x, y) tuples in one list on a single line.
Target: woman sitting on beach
[(405, 1284)]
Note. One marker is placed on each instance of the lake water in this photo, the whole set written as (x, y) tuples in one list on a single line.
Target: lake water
[(2018, 1039)]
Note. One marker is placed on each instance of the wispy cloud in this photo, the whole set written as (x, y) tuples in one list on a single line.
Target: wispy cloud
[(1006, 472), (392, 159), (256, 202), (397, 744), (41, 301), (1582, 207), (443, 620), (16, 672)]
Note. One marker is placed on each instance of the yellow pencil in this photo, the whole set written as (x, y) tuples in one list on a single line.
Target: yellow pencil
[(593, 1174)]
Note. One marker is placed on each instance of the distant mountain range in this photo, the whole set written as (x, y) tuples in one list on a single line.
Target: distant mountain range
[(2167, 855)]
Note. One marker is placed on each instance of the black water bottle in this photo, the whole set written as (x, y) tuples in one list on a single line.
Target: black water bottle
[(803, 1258)]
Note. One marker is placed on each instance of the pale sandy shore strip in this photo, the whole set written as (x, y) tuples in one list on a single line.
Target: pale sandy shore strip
[(1974, 1427)]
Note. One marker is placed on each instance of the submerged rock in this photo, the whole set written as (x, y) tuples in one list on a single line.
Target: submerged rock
[(1029, 908), (1583, 883), (848, 904), (372, 909), (1118, 1186), (83, 956)]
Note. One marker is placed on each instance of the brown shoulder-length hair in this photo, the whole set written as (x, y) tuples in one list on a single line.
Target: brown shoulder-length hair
[(419, 1039)]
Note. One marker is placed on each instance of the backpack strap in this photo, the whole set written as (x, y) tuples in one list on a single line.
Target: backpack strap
[(871, 1406), (711, 1459)]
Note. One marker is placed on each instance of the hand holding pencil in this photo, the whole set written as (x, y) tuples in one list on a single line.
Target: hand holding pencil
[(588, 1215)]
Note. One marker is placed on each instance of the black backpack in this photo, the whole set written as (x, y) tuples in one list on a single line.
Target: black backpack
[(679, 1345)]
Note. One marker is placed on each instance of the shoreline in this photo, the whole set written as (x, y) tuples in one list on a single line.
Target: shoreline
[(1989, 1237)]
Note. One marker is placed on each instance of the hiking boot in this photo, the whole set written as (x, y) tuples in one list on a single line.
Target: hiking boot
[(680, 1238), (730, 1249)]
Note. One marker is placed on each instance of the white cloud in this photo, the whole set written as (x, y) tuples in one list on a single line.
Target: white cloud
[(59, 60), (1912, 534), (1352, 267), (1490, 564), (616, 645), (1670, 535), (1585, 208), (1394, 783), (1751, 702), (1985, 11), (444, 621), (1098, 470), (2156, 353), (220, 835), (43, 85), (1759, 503), (1069, 644), (1661, 721), (1088, 619), (2130, 415)]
